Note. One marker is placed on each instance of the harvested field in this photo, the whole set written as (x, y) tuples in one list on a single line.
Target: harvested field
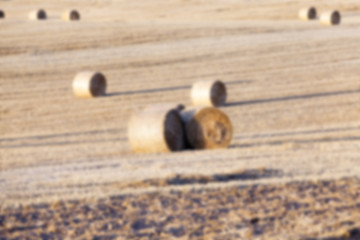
[(251, 212), (293, 98)]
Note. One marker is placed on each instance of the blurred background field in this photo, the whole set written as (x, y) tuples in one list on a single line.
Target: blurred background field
[(293, 90)]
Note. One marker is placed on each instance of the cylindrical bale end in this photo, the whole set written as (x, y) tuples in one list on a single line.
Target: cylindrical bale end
[(208, 93), (2, 14), (308, 13), (38, 15), (330, 18), (207, 128), (89, 84), (71, 15), (156, 129)]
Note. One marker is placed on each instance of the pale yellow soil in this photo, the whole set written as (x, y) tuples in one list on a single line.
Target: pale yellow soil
[(293, 88)]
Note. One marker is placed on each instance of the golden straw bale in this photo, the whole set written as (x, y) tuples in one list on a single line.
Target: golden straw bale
[(71, 15), (308, 13), (208, 93), (330, 18), (157, 128), (38, 15), (89, 84), (207, 128)]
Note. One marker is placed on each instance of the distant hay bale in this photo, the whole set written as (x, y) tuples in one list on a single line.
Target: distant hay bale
[(157, 128), (208, 93), (2, 14), (207, 128), (38, 15), (308, 13), (330, 18), (89, 84), (71, 15)]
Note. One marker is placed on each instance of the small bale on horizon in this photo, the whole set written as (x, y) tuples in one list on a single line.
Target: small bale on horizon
[(208, 93), (88, 84), (156, 129), (330, 18), (38, 15), (71, 15), (207, 128), (308, 13)]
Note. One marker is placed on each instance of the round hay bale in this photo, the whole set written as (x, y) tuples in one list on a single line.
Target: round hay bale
[(71, 15), (38, 15), (89, 84), (330, 18), (2, 14), (156, 129), (208, 93), (207, 128), (308, 13)]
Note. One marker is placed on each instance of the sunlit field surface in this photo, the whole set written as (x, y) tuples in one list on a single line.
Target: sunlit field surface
[(291, 171)]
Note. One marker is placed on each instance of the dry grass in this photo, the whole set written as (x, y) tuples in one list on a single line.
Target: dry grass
[(293, 93)]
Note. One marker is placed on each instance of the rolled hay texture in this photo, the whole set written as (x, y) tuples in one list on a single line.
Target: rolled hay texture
[(308, 13), (330, 18), (89, 84), (2, 14), (208, 93), (38, 15), (207, 128), (156, 129), (71, 15)]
